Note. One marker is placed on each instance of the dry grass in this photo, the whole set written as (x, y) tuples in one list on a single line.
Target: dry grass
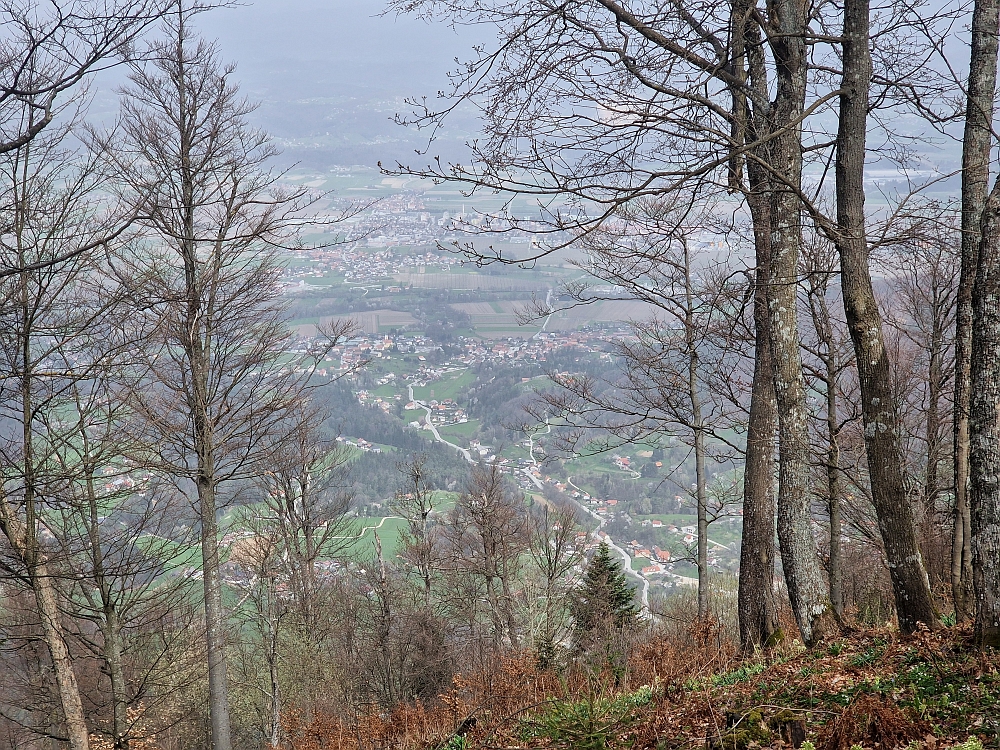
[(871, 689)]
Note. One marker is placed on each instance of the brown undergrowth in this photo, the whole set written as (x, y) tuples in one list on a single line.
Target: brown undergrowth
[(872, 689)]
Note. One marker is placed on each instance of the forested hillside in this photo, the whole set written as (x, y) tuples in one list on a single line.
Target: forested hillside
[(666, 417)]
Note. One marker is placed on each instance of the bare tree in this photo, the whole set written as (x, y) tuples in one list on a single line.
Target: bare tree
[(420, 542), (486, 535), (115, 531), (667, 384), (306, 499), (632, 101), (826, 370), (219, 391), (51, 317), (266, 609), (864, 321), (925, 266), (49, 49), (554, 548)]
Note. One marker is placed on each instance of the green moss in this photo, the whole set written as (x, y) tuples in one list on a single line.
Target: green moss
[(745, 730), (778, 636)]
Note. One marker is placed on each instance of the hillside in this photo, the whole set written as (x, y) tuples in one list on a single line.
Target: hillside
[(869, 689)]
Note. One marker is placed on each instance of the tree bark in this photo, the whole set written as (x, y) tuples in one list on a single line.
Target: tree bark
[(827, 354), (806, 587), (111, 629), (976, 144), (47, 600), (204, 445), (864, 320), (984, 428), (215, 617), (698, 425), (758, 618), (62, 662), (833, 489), (932, 436), (272, 664)]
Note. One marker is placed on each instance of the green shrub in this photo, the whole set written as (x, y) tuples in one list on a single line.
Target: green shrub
[(595, 723)]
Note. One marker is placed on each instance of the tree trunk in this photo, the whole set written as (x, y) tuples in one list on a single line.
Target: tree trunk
[(204, 445), (932, 437), (701, 492), (111, 629), (976, 144), (215, 618), (119, 696), (62, 663), (758, 619), (806, 587), (272, 663), (701, 478), (984, 428), (836, 571), (864, 320), (827, 354), (46, 598)]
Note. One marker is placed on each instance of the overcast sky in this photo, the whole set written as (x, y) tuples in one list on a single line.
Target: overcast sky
[(321, 47)]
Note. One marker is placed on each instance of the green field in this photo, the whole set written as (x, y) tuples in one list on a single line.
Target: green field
[(463, 431), (387, 391), (362, 546), (453, 385)]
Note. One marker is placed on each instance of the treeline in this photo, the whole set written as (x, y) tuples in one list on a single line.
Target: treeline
[(429, 306)]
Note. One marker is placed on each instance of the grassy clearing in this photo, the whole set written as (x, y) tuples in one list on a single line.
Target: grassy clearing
[(453, 386), (362, 543), (464, 430)]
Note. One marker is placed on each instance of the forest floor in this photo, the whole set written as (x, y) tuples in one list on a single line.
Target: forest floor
[(871, 690)]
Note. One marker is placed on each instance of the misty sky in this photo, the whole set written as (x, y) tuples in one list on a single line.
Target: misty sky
[(331, 73), (319, 48)]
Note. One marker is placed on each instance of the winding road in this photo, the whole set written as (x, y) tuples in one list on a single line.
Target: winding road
[(433, 429), (644, 598), (548, 304)]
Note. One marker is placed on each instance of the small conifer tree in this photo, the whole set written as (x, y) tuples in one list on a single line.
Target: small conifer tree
[(604, 600)]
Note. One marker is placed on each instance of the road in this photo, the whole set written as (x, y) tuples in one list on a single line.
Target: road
[(545, 323), (531, 442), (433, 429), (644, 598), (366, 529)]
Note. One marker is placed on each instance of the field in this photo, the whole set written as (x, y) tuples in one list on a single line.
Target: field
[(459, 434), (612, 311), (450, 386), (491, 318), (473, 281), (363, 545)]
